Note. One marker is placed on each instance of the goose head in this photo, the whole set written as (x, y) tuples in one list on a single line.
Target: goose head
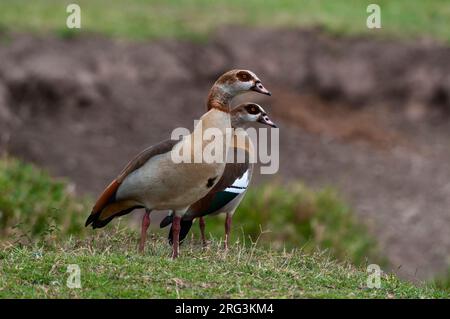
[(231, 84), (236, 82), (246, 113)]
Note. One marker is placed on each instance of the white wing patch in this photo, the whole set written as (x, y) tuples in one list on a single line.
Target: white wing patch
[(239, 185)]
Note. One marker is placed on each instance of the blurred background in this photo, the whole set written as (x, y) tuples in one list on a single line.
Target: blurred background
[(364, 116)]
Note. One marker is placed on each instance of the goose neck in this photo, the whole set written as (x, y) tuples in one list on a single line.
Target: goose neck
[(219, 98)]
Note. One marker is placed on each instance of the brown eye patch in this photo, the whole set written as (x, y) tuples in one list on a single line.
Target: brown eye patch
[(252, 109), (243, 76)]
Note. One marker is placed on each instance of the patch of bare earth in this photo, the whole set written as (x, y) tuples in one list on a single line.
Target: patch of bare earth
[(367, 117)]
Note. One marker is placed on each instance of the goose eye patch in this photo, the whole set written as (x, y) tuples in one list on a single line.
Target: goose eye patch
[(251, 109), (243, 76)]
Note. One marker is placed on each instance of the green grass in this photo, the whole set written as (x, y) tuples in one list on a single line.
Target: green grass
[(290, 216), (33, 204), (144, 19), (443, 281), (313, 237), (111, 268)]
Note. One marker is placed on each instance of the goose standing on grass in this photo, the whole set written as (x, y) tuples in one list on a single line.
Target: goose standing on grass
[(229, 191), (152, 180)]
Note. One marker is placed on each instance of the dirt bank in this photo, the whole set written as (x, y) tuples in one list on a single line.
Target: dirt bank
[(368, 117)]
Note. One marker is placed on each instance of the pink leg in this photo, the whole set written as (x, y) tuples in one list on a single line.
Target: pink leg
[(201, 223), (176, 236), (227, 230), (144, 227)]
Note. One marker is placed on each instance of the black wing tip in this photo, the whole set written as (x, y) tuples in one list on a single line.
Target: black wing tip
[(185, 227), (90, 220), (94, 222), (166, 221)]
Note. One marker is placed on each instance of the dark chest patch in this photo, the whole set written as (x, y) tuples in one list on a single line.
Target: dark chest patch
[(211, 181)]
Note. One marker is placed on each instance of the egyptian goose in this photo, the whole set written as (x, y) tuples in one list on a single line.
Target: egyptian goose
[(152, 180), (229, 191)]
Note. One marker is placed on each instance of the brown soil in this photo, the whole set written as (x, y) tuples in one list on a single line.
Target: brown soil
[(367, 117)]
